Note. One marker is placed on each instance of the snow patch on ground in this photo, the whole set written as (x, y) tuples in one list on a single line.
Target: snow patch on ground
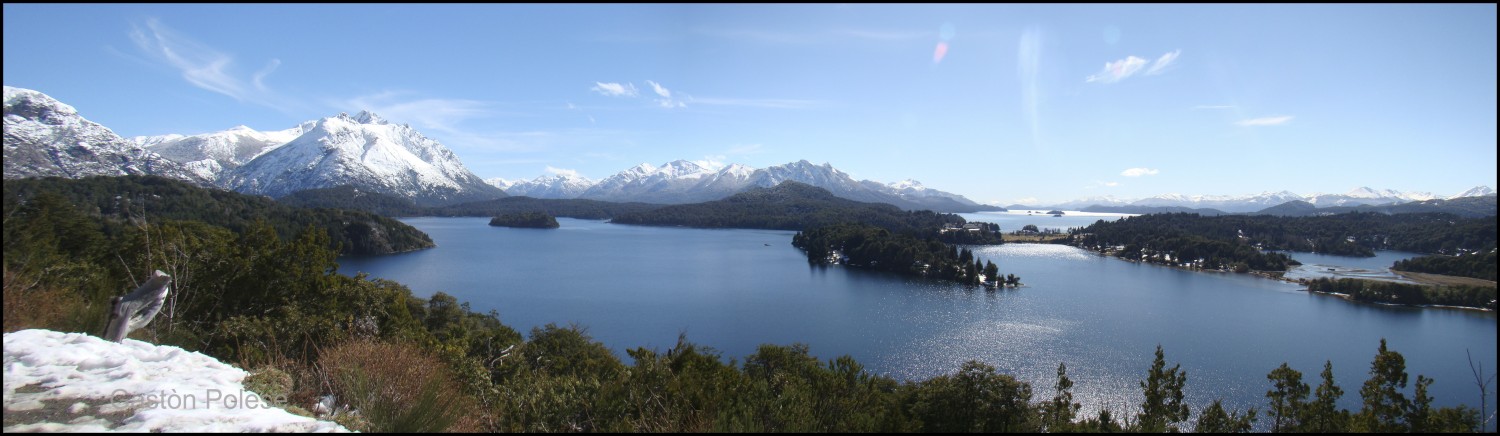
[(90, 384)]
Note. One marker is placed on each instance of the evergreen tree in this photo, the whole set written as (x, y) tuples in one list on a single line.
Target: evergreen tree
[(1385, 407), (1287, 398), (1058, 414), (1215, 420), (1322, 415), (1163, 406)]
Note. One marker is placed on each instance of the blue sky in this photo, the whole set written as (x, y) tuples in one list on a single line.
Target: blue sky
[(1000, 103)]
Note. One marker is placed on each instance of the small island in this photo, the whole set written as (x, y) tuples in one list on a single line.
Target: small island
[(1055, 212), (530, 220)]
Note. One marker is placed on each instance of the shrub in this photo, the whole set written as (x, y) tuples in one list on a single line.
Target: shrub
[(396, 387)]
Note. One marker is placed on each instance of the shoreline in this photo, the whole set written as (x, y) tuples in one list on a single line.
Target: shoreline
[(1420, 278)]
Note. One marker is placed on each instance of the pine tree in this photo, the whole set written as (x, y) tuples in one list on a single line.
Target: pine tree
[(1215, 420), (1385, 406), (1322, 415), (1059, 413), (1287, 398), (1163, 406)]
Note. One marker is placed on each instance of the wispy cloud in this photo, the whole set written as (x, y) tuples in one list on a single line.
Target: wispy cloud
[(1221, 106), (1162, 63), (1124, 68), (1029, 59), (769, 103), (1137, 172), (613, 89), (202, 65), (440, 114), (666, 100), (1265, 121), (562, 172), (1118, 70)]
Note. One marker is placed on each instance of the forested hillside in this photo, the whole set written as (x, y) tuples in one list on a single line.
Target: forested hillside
[(789, 206), (119, 202), (1239, 239)]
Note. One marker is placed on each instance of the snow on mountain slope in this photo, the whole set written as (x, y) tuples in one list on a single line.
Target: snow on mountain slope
[(45, 137), (369, 153), (131, 386), (683, 181), (502, 183), (1257, 202), (1477, 191), (222, 151), (553, 186)]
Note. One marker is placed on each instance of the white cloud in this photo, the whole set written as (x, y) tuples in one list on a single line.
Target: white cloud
[(666, 100), (1023, 201), (563, 172), (1124, 68), (613, 89), (1118, 70), (659, 89), (1162, 63), (1113, 184), (1137, 172), (1265, 121), (203, 66)]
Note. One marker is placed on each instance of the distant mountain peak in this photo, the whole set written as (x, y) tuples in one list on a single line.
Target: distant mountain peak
[(1477, 191), (45, 137), (907, 184), (367, 117)]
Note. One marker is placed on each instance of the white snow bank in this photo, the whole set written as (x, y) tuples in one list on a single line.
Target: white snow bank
[(137, 386)]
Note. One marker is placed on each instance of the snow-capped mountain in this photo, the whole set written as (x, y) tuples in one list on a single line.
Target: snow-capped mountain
[(1225, 203), (502, 183), (1364, 195), (553, 186), (367, 152), (213, 155), (45, 137), (1079, 204), (1252, 203), (1477, 191), (673, 182), (683, 181)]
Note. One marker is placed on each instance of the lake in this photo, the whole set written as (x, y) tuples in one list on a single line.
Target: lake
[(732, 290), (1013, 220)]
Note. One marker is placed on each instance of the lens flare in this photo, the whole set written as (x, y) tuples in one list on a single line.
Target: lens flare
[(939, 52)]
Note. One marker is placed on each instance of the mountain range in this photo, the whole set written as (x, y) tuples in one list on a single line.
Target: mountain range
[(683, 181), (45, 137), (1256, 202)]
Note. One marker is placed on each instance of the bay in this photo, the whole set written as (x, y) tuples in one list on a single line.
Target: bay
[(733, 290)]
